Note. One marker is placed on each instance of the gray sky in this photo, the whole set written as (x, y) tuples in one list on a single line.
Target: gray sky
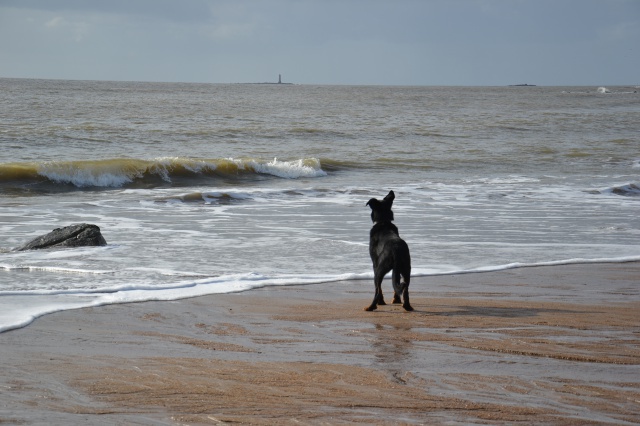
[(394, 42)]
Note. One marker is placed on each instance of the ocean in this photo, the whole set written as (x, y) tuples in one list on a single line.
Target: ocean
[(206, 188)]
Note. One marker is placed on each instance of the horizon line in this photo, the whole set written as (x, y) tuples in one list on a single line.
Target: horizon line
[(636, 85)]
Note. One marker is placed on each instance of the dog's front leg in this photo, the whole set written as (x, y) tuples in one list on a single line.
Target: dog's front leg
[(378, 276)]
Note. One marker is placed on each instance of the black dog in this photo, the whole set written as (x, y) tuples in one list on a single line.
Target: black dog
[(388, 252)]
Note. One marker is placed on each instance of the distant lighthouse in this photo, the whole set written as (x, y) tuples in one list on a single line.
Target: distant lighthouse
[(279, 78)]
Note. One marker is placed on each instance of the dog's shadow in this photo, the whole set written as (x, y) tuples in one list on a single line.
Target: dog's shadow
[(495, 311), (472, 311)]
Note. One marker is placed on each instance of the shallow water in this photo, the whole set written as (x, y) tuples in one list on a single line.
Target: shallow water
[(214, 188)]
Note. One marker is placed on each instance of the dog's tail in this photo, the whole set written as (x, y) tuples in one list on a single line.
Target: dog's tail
[(405, 271), (404, 282), (401, 273)]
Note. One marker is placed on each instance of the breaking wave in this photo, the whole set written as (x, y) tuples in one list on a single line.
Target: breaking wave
[(123, 172)]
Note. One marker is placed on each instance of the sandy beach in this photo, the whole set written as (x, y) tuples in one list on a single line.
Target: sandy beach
[(550, 345)]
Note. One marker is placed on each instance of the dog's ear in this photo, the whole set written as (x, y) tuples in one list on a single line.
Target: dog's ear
[(373, 203)]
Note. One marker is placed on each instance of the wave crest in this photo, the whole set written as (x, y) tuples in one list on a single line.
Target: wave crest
[(166, 171)]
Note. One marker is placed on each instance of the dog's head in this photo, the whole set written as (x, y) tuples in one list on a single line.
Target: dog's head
[(381, 210)]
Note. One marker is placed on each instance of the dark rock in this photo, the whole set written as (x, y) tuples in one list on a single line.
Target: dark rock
[(80, 235), (630, 190)]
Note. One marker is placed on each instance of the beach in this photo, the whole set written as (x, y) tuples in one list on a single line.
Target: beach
[(232, 285), (549, 344)]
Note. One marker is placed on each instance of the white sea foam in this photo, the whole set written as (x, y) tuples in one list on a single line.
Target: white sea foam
[(507, 180), (576, 261), (54, 269), (23, 307), (289, 169), (83, 178)]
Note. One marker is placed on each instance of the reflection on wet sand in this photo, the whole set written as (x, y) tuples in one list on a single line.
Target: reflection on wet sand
[(309, 354), (392, 350)]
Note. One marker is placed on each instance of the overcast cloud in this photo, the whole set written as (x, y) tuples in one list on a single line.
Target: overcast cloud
[(404, 42)]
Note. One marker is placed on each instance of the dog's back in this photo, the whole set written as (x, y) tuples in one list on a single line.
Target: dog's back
[(385, 245)]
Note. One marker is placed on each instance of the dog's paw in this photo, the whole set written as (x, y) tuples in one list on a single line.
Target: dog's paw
[(396, 300), (371, 308), (407, 307)]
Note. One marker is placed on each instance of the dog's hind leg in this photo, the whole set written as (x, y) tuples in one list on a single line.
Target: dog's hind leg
[(405, 292)]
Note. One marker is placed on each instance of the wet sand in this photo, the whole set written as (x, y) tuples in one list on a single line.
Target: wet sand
[(544, 345)]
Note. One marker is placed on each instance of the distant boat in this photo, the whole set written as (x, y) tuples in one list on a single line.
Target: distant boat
[(522, 85)]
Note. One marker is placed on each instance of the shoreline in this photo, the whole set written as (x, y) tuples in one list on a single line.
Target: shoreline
[(28, 319), (558, 343)]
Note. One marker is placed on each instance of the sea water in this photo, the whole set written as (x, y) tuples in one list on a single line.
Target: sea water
[(203, 188)]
